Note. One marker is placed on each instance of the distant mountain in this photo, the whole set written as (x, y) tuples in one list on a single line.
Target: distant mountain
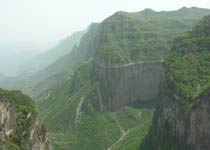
[(187, 15), (13, 56), (63, 47)]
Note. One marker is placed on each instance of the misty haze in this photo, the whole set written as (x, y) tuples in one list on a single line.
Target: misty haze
[(104, 75)]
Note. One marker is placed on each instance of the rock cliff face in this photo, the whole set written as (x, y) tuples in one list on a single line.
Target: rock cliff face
[(20, 128), (182, 119), (121, 85), (178, 128)]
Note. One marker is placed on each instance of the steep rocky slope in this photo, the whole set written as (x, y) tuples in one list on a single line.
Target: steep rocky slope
[(181, 121), (20, 129)]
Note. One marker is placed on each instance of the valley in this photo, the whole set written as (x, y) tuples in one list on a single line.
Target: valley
[(135, 81)]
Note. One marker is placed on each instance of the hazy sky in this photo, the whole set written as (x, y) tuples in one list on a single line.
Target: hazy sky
[(51, 20)]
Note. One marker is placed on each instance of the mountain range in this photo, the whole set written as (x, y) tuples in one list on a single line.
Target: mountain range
[(134, 81)]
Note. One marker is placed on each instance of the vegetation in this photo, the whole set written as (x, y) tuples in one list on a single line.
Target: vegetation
[(71, 104), (191, 72), (146, 35), (136, 132), (188, 64), (68, 95), (94, 129)]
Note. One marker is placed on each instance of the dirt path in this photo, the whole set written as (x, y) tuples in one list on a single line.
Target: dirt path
[(130, 64), (123, 132)]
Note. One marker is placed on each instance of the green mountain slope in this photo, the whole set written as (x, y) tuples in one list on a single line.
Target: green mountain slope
[(86, 126), (73, 106), (62, 48), (145, 35)]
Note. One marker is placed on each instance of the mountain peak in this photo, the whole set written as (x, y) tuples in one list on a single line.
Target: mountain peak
[(147, 11), (121, 13), (117, 16), (184, 8)]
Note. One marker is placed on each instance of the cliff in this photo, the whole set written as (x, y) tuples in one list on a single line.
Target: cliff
[(20, 128), (121, 85), (182, 121)]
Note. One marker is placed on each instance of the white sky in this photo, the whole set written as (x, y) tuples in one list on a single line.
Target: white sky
[(51, 20)]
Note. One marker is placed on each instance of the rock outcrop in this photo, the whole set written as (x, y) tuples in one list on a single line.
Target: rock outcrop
[(20, 128)]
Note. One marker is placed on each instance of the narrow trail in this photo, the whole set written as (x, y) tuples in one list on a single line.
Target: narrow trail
[(78, 110), (130, 64), (123, 132)]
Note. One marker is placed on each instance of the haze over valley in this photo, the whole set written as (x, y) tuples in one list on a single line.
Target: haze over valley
[(131, 75)]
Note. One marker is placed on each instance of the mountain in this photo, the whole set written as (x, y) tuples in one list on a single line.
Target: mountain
[(20, 128), (147, 35), (181, 120), (41, 61), (105, 97), (64, 65), (101, 94), (14, 55)]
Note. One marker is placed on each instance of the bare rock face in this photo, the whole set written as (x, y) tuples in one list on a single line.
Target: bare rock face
[(121, 85), (20, 129), (39, 138), (8, 118)]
